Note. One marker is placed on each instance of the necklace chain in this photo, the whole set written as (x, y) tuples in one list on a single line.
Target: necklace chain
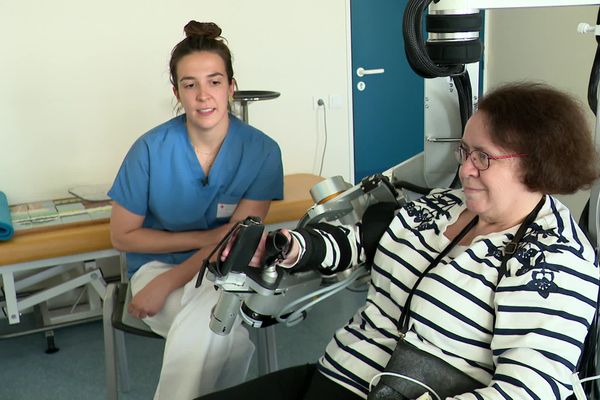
[(204, 153)]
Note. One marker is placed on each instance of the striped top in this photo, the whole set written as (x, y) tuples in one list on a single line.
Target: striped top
[(521, 338)]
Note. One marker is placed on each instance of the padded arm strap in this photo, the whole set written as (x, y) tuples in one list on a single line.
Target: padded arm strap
[(375, 221)]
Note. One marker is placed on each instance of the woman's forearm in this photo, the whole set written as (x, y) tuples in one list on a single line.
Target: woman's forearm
[(145, 240), (184, 272), (327, 247)]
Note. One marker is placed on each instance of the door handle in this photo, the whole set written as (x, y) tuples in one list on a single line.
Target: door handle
[(360, 71)]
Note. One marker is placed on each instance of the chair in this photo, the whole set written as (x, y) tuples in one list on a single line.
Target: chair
[(117, 321), (588, 364)]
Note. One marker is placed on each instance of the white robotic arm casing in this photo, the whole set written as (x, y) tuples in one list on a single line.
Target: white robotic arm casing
[(454, 6), (442, 122)]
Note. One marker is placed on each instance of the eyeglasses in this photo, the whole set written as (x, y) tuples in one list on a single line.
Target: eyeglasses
[(480, 159)]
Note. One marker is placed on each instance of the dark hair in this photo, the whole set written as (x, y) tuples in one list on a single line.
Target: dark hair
[(201, 36), (551, 128)]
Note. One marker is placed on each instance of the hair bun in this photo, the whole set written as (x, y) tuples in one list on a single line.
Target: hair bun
[(209, 30)]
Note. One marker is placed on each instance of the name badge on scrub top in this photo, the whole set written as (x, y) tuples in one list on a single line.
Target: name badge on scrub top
[(225, 210)]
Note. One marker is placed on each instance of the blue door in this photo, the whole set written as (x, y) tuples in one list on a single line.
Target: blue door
[(387, 107)]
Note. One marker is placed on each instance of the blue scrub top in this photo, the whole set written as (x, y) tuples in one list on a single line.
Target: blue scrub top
[(161, 179)]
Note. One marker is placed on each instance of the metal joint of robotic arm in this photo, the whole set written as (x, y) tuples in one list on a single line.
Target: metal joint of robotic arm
[(337, 200)]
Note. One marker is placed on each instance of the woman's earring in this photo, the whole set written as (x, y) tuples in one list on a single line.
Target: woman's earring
[(177, 107)]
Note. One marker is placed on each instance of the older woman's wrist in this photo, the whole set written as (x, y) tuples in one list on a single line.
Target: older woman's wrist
[(293, 254)]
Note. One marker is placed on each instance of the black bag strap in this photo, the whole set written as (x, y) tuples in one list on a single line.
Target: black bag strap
[(509, 251), (511, 247), (404, 318)]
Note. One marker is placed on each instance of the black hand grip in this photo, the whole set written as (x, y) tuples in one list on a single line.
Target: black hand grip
[(245, 237), (242, 249), (277, 247)]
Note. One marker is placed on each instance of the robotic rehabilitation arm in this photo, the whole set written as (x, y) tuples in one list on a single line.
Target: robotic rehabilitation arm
[(257, 294), (269, 294)]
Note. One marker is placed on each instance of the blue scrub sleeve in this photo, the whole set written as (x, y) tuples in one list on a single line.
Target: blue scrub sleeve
[(268, 184), (130, 188)]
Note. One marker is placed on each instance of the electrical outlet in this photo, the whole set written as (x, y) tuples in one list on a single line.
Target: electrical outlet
[(316, 104)]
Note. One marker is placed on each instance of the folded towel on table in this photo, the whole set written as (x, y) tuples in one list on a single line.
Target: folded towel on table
[(6, 228)]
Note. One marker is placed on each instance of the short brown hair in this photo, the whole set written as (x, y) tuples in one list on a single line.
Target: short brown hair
[(551, 128)]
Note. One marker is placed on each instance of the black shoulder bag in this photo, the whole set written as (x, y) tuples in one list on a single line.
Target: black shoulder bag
[(433, 373)]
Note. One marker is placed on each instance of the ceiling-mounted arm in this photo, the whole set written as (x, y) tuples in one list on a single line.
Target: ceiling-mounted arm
[(454, 25)]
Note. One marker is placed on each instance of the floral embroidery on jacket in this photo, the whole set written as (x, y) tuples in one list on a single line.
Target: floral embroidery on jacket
[(426, 212), (533, 260)]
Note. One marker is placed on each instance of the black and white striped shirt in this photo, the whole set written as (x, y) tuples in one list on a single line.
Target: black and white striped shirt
[(522, 338)]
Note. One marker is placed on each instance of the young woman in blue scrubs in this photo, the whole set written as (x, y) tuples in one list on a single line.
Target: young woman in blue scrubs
[(180, 188)]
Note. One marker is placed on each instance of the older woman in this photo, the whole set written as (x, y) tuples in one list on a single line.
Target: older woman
[(517, 327)]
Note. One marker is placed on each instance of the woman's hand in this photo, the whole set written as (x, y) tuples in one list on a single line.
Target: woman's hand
[(257, 257), (151, 299)]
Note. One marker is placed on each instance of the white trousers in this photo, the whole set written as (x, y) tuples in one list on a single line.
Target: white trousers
[(196, 361)]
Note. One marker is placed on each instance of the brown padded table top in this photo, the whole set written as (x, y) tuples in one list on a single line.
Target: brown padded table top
[(93, 236)]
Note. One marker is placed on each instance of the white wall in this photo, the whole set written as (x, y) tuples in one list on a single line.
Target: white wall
[(81, 80), (542, 44)]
